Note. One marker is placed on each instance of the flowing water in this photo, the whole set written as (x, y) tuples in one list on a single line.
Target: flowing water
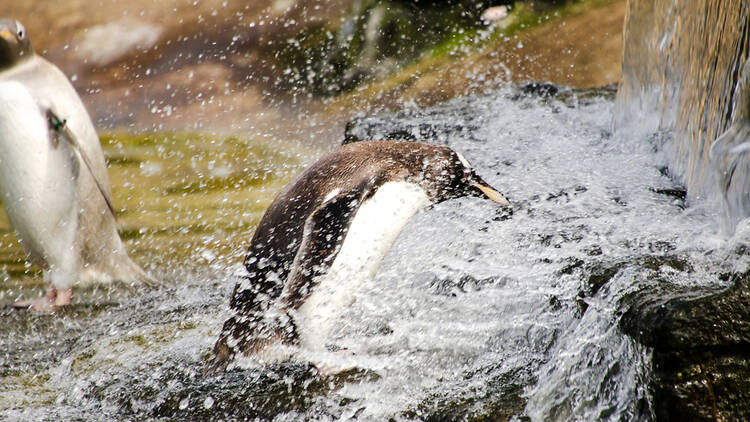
[(684, 63), (475, 312)]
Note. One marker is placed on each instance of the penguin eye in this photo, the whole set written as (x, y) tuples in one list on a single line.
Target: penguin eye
[(21, 30)]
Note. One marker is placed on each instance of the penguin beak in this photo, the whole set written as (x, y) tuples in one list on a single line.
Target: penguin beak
[(483, 189), (490, 192), (6, 35)]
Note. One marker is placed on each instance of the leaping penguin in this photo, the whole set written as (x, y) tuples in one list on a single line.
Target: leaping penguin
[(327, 232)]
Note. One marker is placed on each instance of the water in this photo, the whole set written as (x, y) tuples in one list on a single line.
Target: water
[(474, 312), (682, 71)]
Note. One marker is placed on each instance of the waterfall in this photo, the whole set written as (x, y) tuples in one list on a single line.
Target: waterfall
[(682, 80)]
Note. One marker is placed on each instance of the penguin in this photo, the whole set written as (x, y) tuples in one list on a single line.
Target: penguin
[(325, 234), (53, 178)]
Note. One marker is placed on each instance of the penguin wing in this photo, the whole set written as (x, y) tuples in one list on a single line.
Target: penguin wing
[(324, 232), (60, 129)]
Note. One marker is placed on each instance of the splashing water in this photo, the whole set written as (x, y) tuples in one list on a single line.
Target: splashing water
[(475, 311), (685, 73)]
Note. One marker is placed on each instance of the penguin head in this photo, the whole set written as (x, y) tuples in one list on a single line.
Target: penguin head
[(14, 43), (447, 175)]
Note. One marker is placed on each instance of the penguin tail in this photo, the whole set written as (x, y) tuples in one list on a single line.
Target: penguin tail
[(222, 356), (142, 277), (122, 269), (252, 335)]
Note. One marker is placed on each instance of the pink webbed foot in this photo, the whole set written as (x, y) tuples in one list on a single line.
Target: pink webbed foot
[(325, 369), (50, 302)]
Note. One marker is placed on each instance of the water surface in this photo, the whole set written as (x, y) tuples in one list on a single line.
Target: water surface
[(475, 311)]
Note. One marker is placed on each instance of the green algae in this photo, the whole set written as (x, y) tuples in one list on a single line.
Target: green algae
[(375, 38), (177, 196), (520, 17)]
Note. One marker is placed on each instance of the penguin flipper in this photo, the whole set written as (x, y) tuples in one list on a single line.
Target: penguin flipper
[(250, 330), (60, 129), (324, 231)]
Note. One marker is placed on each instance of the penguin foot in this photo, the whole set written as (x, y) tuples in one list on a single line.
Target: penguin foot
[(335, 369), (325, 370), (50, 302), (341, 374)]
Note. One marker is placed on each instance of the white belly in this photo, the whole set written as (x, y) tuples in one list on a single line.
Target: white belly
[(37, 185), (371, 234)]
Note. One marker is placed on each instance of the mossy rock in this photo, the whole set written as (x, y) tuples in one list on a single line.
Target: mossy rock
[(700, 339), (377, 37)]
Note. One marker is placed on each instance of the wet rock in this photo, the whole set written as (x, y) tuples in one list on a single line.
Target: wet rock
[(463, 284), (247, 394), (372, 40), (587, 95), (701, 348), (466, 117), (594, 275), (679, 194), (288, 387), (502, 401), (541, 89), (571, 97), (537, 89), (417, 125), (597, 273), (554, 303), (669, 319)]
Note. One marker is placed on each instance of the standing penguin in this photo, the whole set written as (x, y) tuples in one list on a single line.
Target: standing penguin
[(326, 233), (53, 178)]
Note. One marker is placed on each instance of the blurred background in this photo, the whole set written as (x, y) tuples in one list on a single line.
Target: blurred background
[(206, 108), (268, 66)]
